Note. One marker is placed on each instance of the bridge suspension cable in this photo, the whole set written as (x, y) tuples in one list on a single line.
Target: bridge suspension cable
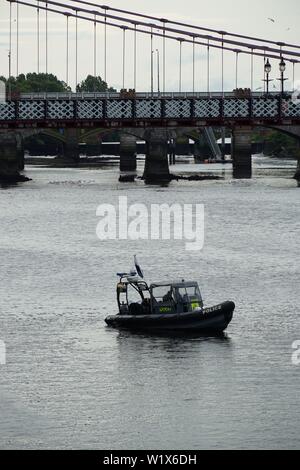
[(134, 58), (172, 30), (293, 76), (143, 31), (17, 48), (179, 23), (193, 65), (252, 71), (158, 72), (180, 65), (95, 49), (222, 66), (10, 48), (46, 39), (164, 58), (105, 49), (76, 51), (124, 56), (67, 52), (38, 36), (164, 21), (236, 68), (151, 64), (252, 48), (208, 67)]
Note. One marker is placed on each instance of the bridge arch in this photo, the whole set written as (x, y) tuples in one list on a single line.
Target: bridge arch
[(291, 131), (48, 133)]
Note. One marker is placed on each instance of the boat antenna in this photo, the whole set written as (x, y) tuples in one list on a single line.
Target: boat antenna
[(138, 267)]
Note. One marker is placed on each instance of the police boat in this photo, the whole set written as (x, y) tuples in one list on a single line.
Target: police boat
[(166, 306)]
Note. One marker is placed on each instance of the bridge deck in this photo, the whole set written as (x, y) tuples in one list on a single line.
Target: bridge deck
[(146, 110)]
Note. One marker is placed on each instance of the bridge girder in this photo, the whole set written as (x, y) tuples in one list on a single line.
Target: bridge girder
[(145, 113)]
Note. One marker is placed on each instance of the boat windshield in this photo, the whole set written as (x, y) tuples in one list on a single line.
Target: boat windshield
[(163, 293), (189, 297), (190, 291)]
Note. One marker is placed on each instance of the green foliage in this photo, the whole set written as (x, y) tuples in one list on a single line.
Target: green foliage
[(282, 145), (277, 143), (42, 82), (94, 84), (35, 83)]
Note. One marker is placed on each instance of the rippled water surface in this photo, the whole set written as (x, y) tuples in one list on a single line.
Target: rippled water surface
[(70, 382)]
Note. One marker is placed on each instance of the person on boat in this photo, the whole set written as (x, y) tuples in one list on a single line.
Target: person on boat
[(146, 305), (168, 297)]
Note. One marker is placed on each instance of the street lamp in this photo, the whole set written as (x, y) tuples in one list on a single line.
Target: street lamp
[(268, 69), (282, 67)]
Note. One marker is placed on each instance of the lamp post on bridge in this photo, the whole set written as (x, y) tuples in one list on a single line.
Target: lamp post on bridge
[(282, 67), (268, 69)]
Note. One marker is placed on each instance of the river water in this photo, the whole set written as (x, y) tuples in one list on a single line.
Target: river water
[(70, 382)]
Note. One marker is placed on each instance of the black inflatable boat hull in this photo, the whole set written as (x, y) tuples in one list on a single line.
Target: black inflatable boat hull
[(213, 319)]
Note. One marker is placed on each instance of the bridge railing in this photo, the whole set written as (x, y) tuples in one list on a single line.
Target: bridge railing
[(116, 95), (141, 110)]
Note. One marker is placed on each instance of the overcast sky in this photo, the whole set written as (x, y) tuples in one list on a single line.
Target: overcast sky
[(241, 16)]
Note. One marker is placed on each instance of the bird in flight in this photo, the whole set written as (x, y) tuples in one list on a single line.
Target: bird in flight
[(271, 19)]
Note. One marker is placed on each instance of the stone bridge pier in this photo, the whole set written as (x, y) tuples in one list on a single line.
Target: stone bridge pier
[(242, 152), (127, 157), (297, 174), (156, 165), (20, 151), (11, 158), (71, 145), (93, 145)]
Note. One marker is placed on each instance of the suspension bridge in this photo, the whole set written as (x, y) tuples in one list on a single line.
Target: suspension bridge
[(157, 113)]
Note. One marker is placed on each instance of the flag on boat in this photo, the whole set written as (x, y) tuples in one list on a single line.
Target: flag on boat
[(138, 268)]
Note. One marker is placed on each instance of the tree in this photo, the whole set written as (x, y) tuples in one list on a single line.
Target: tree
[(42, 82), (36, 83), (94, 84), (277, 143)]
